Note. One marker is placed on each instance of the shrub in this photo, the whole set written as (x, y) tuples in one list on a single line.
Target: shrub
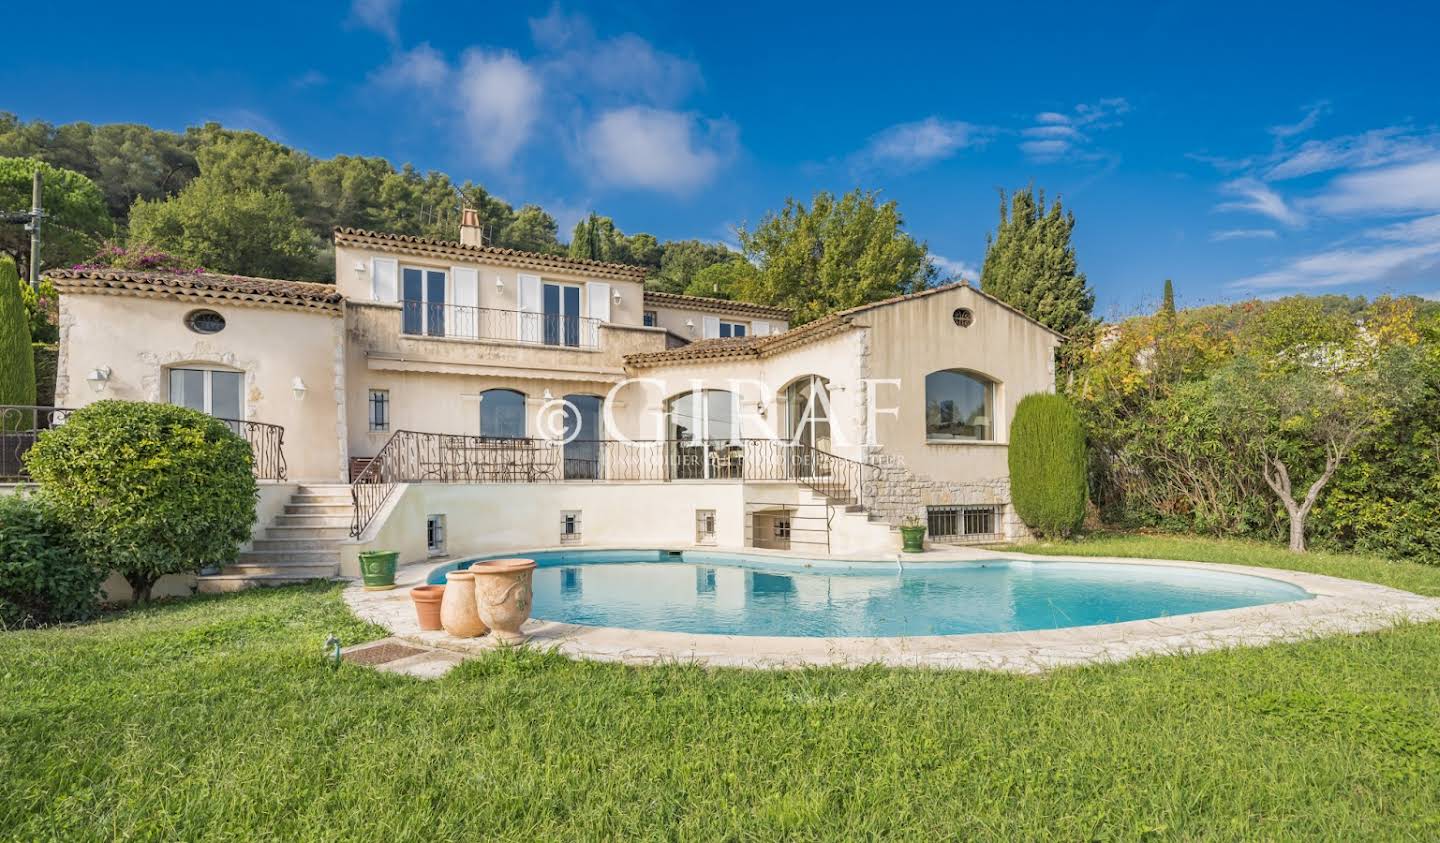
[(147, 489), (43, 576), (1047, 465), (17, 362)]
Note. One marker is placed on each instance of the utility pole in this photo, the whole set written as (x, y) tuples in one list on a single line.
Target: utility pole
[(36, 212)]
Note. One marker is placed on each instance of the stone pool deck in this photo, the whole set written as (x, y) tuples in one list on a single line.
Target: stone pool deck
[(1339, 606)]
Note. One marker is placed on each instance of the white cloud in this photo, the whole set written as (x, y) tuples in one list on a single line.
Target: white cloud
[(917, 144), (1244, 234), (1254, 196), (1374, 148), (422, 67), (377, 15), (655, 149), (500, 100), (611, 71), (1419, 230), (1057, 136), (1399, 189), (1338, 267), (955, 269), (1305, 124)]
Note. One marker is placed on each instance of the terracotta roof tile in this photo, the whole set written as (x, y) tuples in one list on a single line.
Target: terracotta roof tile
[(204, 285), (741, 308), (485, 254)]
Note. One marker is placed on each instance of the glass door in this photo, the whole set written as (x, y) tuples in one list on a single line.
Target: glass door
[(807, 422), (562, 314), (582, 437), (422, 292)]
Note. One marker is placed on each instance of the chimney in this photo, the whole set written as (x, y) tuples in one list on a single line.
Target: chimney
[(470, 232)]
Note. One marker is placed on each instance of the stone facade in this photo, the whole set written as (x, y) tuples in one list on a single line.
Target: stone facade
[(896, 493)]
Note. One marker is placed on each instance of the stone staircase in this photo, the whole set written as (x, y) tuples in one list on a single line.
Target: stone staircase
[(300, 545)]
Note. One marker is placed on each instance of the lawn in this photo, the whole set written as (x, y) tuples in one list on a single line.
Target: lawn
[(218, 719)]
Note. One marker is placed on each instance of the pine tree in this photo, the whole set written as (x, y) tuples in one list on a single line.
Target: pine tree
[(17, 360), (1030, 263), (1167, 303)]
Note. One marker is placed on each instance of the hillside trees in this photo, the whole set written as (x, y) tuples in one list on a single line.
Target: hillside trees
[(1030, 263)]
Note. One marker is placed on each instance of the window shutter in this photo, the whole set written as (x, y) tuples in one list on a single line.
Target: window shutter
[(531, 306), (760, 329), (464, 316), (712, 327), (597, 307), (383, 275)]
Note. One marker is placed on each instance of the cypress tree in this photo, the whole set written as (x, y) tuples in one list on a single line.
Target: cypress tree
[(1048, 465), (1167, 302), (17, 360), (1030, 264)]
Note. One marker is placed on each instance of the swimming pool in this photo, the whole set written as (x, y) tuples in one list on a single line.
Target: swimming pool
[(741, 594)]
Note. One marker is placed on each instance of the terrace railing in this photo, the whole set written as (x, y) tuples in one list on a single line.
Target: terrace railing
[(414, 457), (22, 425), (450, 321)]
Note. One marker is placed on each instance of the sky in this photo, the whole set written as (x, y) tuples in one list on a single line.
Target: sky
[(1242, 150)]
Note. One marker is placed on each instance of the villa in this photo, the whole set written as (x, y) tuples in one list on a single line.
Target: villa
[(445, 398)]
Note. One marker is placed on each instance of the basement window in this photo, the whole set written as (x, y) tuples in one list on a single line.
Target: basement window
[(570, 526), (704, 526), (435, 535), (962, 522)]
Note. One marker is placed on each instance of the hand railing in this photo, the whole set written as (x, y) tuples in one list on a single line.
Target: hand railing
[(22, 425), (428, 319), (414, 457)]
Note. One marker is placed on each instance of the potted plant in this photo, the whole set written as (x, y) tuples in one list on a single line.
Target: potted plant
[(912, 535), (377, 569)]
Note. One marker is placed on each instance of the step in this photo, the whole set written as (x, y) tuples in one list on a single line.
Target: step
[(288, 545), (230, 583), (282, 551), (323, 489), (324, 500), (308, 532), (345, 509), (311, 521), (319, 571)]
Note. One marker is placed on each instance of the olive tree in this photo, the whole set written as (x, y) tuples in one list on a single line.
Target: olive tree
[(147, 489)]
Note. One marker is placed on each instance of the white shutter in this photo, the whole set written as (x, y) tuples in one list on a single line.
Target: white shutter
[(465, 315), (531, 307), (760, 329), (712, 327), (597, 307), (384, 273)]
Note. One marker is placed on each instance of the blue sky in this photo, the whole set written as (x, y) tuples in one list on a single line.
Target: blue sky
[(1242, 150)]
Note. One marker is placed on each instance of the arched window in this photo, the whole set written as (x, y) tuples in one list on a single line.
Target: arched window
[(704, 429), (502, 414), (959, 406), (805, 411)]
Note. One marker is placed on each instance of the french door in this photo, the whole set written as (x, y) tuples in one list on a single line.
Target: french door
[(561, 308), (423, 294)]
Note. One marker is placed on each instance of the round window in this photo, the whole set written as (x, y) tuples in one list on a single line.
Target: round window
[(205, 322), (963, 317)]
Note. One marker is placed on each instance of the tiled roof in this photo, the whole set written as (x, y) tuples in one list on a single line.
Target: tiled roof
[(409, 244), (826, 326), (739, 308), (304, 295)]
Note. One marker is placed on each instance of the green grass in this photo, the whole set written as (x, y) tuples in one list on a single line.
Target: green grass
[(218, 719), (1420, 579)]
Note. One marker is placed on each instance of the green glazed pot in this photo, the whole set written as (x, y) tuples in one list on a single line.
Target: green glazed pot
[(913, 539), (377, 569)]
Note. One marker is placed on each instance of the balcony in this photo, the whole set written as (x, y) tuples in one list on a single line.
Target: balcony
[(449, 321)]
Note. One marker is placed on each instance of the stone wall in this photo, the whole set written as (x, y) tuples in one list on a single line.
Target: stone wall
[(896, 493)]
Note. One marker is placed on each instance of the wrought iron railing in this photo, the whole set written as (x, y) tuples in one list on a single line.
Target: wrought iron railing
[(414, 457), (429, 319), (21, 426)]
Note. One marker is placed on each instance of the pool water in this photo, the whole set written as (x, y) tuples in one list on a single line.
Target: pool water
[(729, 594)]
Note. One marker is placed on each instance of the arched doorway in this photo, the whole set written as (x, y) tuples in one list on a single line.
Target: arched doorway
[(805, 414), (704, 433)]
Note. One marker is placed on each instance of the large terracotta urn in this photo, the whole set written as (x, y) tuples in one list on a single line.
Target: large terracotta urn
[(427, 600), (503, 595), (457, 607)]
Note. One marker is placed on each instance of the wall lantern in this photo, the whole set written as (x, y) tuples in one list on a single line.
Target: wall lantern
[(499, 284), (616, 298), (98, 378), (298, 387)]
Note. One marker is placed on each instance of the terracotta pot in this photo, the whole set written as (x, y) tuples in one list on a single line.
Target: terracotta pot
[(503, 595), (427, 605), (457, 607)]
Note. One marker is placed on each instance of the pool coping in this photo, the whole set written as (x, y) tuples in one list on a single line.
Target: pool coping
[(1339, 606)]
